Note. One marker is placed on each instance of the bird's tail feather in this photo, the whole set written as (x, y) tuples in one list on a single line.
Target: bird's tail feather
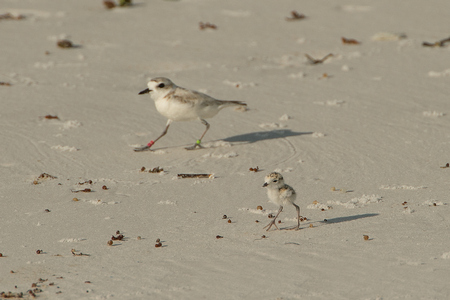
[(232, 102)]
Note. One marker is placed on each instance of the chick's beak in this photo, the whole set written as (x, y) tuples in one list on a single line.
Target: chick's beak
[(265, 184), (146, 91)]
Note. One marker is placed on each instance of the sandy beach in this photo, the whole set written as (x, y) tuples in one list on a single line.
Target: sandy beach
[(362, 135)]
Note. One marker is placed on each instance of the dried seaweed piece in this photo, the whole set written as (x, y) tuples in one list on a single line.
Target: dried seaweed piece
[(207, 25), (118, 238), (440, 43), (195, 175), (254, 169), (156, 170), (295, 16), (50, 117), (45, 176), (86, 182), (11, 295), (317, 61), (74, 252), (10, 16), (5, 83), (350, 41), (42, 177), (83, 191)]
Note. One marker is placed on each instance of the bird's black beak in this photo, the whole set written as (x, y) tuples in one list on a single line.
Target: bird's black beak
[(265, 184), (146, 91)]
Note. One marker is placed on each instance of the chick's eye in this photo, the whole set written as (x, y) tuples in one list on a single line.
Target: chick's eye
[(275, 180), (161, 85)]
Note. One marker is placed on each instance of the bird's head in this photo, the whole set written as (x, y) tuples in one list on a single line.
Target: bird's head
[(158, 87), (274, 179)]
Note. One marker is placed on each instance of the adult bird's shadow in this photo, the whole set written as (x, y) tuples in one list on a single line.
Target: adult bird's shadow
[(253, 137)]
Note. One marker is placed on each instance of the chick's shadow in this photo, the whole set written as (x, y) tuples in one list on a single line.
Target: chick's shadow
[(348, 218)]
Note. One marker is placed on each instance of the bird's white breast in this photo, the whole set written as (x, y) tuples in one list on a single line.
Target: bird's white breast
[(274, 196), (281, 196), (175, 110)]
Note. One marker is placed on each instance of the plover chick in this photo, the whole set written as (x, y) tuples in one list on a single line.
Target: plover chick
[(281, 194), (180, 104)]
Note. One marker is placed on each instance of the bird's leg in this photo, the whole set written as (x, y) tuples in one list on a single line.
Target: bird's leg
[(273, 221), (298, 216), (197, 144), (147, 147)]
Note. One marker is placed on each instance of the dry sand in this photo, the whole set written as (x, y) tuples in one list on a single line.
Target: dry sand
[(371, 122)]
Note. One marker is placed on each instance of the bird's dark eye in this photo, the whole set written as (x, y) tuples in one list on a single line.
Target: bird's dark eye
[(275, 180), (161, 85)]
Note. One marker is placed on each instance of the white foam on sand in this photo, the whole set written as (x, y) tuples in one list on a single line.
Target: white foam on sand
[(64, 148), (401, 187), (358, 201), (71, 124)]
